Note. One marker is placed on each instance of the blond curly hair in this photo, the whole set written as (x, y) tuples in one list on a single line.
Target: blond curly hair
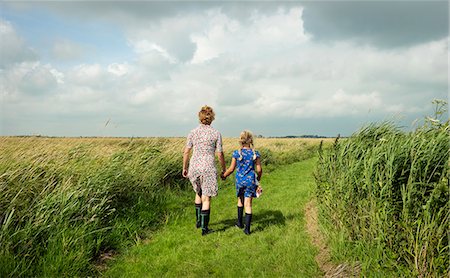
[(206, 115)]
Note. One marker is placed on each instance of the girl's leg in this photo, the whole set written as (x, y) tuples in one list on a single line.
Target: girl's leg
[(248, 205), (240, 210), (240, 200), (198, 207), (248, 214), (205, 214)]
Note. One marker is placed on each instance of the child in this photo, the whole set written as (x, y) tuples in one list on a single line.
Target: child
[(248, 174)]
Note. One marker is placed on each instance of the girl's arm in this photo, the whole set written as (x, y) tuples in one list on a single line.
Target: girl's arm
[(230, 169), (258, 168), (185, 161)]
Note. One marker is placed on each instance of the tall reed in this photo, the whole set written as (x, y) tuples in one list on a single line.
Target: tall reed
[(390, 190)]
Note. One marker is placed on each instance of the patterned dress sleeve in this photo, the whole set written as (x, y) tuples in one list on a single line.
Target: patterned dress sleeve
[(257, 154), (219, 147), (189, 143), (235, 154)]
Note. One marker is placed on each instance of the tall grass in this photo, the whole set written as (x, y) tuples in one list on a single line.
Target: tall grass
[(388, 191), (61, 205), (65, 201)]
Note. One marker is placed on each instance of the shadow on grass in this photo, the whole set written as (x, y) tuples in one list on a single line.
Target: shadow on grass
[(267, 218), (261, 220)]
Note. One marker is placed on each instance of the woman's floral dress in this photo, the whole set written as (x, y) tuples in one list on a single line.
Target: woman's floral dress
[(205, 141)]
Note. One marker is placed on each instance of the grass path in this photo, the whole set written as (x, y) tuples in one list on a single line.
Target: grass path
[(278, 247)]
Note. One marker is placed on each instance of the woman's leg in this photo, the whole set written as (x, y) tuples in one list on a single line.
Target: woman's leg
[(205, 202), (205, 214), (198, 198), (198, 207), (248, 214)]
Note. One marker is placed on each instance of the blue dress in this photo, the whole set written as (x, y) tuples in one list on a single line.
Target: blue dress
[(245, 174)]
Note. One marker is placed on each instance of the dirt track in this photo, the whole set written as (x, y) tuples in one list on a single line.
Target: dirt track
[(323, 258)]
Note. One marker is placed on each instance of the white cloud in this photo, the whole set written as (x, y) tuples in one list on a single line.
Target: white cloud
[(38, 80), (170, 36), (264, 68), (28, 78), (143, 47), (341, 103), (143, 96), (265, 34), (118, 69), (13, 48), (217, 36), (87, 74), (59, 76)]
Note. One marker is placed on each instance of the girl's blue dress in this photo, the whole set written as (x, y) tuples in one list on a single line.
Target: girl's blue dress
[(245, 174)]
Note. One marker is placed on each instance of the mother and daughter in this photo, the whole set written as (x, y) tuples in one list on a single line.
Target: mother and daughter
[(206, 142)]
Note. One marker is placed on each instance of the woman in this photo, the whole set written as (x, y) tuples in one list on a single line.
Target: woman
[(206, 141)]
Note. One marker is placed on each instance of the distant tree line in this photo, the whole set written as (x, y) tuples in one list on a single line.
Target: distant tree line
[(295, 136)]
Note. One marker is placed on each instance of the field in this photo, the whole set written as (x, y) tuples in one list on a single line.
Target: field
[(66, 201), (109, 206)]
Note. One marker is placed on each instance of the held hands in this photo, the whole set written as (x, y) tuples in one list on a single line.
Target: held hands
[(222, 176), (185, 173)]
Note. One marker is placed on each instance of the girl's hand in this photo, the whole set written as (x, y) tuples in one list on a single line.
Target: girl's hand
[(259, 191), (185, 173)]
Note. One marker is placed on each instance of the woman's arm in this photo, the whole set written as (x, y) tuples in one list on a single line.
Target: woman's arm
[(230, 169), (258, 168), (186, 153), (222, 161)]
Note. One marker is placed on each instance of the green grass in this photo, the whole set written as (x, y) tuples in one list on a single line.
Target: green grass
[(278, 246), (384, 192), (66, 201), (63, 204)]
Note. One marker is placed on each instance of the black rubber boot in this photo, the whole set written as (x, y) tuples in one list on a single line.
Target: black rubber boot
[(198, 209), (240, 211), (248, 222), (205, 221)]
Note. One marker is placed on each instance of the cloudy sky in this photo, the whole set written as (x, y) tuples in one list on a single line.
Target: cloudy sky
[(116, 68)]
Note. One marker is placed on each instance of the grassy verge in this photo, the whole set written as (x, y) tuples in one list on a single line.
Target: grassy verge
[(385, 193), (61, 205), (278, 246)]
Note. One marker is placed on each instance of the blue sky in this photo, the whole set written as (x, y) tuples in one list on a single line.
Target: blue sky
[(276, 68), (42, 28)]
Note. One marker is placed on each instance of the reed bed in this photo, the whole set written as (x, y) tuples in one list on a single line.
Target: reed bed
[(65, 201), (386, 192)]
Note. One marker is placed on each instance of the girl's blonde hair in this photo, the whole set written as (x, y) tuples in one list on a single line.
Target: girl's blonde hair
[(246, 138), (206, 115)]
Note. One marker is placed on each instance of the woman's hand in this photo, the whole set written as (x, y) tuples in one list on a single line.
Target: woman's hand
[(227, 172), (186, 153)]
